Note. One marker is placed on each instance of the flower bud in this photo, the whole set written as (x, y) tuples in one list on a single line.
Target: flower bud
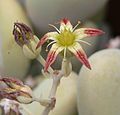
[(24, 37), (26, 95), (22, 33), (30, 50), (16, 90), (24, 98), (66, 67)]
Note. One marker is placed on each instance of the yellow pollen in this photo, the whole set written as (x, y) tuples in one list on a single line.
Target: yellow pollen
[(66, 38)]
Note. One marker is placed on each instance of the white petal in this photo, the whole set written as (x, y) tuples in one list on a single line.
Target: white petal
[(49, 35), (77, 50), (65, 24), (87, 32), (54, 51), (52, 35)]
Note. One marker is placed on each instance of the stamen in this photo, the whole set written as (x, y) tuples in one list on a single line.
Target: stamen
[(54, 27), (84, 42), (50, 44), (76, 25)]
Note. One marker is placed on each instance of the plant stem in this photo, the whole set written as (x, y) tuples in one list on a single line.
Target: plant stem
[(42, 61), (55, 84)]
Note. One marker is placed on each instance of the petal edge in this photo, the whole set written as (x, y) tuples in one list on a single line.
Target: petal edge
[(52, 55), (50, 35), (87, 32), (80, 54)]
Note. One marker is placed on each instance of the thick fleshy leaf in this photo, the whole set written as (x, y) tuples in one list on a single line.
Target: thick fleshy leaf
[(77, 50), (50, 36), (87, 32), (54, 51), (65, 24)]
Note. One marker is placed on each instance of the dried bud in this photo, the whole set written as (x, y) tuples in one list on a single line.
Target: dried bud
[(66, 67), (24, 37), (16, 90), (10, 105)]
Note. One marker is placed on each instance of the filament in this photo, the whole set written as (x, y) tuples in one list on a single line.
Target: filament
[(54, 27), (76, 25), (50, 44)]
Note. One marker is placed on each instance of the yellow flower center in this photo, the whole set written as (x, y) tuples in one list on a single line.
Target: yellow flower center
[(66, 38)]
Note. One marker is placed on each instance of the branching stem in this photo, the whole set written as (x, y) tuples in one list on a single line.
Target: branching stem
[(56, 81)]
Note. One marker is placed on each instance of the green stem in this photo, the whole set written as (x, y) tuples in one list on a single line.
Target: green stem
[(42, 61)]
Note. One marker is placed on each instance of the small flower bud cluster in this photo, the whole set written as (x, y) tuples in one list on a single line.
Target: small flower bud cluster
[(15, 90)]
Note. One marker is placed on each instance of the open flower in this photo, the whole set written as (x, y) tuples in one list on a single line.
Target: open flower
[(68, 38), (25, 38)]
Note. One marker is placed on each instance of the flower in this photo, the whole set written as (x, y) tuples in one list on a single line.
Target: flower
[(14, 89), (25, 38), (68, 38)]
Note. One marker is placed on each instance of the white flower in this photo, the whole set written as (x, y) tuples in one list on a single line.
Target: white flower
[(68, 38)]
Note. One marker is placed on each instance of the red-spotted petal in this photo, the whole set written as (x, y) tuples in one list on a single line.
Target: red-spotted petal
[(50, 35), (65, 24), (77, 50), (87, 32), (54, 51)]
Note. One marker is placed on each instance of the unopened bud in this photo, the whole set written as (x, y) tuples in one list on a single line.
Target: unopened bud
[(26, 99), (25, 38), (26, 95), (66, 67), (30, 50), (22, 33), (16, 90)]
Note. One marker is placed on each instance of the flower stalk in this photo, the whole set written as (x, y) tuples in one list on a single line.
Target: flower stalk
[(42, 61), (57, 75)]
